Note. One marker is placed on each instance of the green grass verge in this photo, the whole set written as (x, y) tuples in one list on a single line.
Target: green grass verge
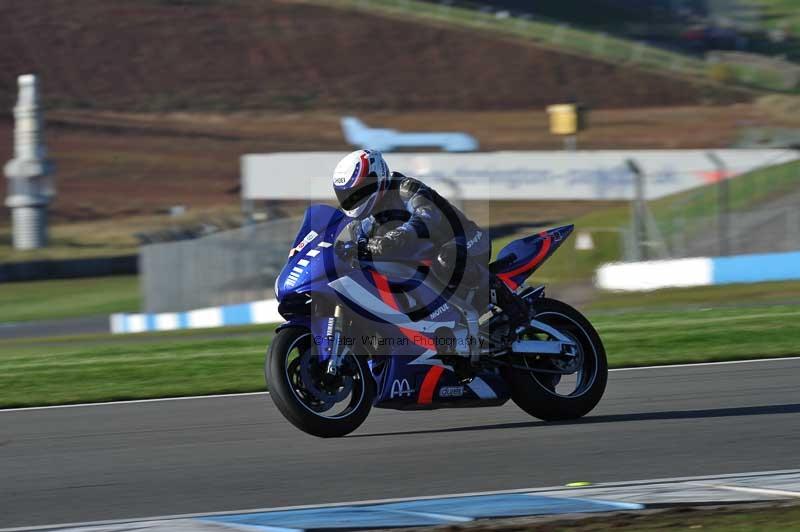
[(43, 300), (105, 368), (684, 336), (702, 297), (108, 368)]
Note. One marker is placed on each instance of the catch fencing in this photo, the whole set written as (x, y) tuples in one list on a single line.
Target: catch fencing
[(224, 268), (744, 232), (754, 213)]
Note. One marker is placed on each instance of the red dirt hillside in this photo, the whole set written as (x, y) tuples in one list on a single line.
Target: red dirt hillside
[(158, 55)]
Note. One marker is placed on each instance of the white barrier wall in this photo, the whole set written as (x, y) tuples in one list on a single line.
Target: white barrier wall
[(633, 276), (653, 275), (700, 271), (257, 312), (543, 175)]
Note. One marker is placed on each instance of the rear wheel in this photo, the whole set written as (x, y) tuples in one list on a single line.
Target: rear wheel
[(551, 396), (307, 396)]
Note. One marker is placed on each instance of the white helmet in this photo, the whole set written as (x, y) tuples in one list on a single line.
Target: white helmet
[(359, 181)]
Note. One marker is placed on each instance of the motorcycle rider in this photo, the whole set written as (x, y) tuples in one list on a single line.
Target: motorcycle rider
[(394, 214)]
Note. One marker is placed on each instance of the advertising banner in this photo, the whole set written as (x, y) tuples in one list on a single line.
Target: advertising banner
[(540, 175)]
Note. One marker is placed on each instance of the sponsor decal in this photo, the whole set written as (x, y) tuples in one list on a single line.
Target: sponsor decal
[(439, 311), (474, 240), (294, 275), (451, 391), (401, 388), (303, 243)]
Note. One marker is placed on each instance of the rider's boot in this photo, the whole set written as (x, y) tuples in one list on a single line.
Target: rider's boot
[(453, 351), (464, 369)]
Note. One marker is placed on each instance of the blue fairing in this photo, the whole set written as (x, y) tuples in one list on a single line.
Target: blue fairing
[(529, 253), (312, 253), (385, 317)]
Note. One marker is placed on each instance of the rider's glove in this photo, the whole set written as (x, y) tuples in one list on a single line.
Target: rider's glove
[(389, 244), (347, 251), (350, 251)]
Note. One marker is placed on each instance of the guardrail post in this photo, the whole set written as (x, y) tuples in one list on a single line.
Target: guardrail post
[(639, 211), (723, 204)]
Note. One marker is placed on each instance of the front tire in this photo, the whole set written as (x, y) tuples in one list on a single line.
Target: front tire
[(538, 393), (292, 348)]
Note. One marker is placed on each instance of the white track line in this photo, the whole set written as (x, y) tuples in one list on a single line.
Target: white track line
[(757, 491), (234, 395), (724, 363), (699, 480), (135, 401)]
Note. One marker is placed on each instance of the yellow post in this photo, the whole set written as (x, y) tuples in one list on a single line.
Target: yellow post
[(563, 119), (566, 119)]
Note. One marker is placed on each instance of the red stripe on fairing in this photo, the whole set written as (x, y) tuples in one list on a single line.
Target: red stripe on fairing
[(385, 293), (429, 385), (507, 276), (425, 396)]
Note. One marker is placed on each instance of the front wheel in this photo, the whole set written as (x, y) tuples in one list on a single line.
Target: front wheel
[(554, 397), (313, 401)]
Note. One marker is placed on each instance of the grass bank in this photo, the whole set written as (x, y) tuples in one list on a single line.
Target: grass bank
[(105, 368), (694, 207), (563, 37)]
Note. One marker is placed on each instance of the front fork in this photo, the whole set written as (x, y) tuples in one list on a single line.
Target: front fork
[(337, 352), (329, 339)]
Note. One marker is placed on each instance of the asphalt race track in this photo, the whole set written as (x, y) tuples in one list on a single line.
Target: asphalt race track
[(51, 328), (147, 459)]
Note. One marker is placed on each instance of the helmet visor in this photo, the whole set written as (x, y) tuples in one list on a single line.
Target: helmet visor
[(351, 198)]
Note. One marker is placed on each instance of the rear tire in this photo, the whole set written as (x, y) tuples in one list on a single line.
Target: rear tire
[(287, 399), (535, 394)]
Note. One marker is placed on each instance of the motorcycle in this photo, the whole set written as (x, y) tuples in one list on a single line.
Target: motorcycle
[(363, 334)]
